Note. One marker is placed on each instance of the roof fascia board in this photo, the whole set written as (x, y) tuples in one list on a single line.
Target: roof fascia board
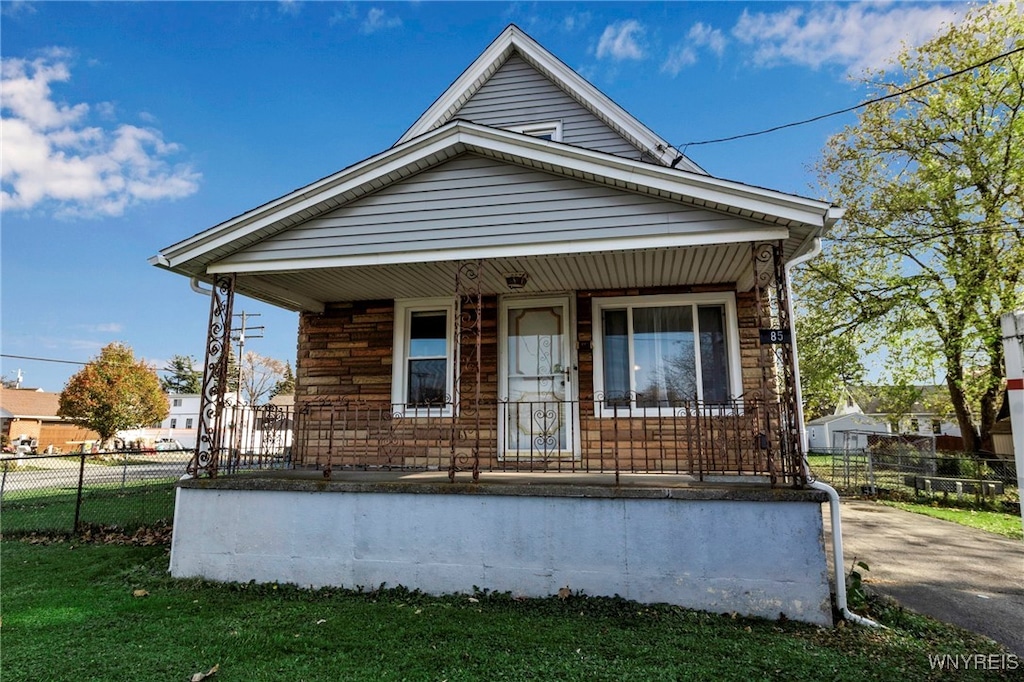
[(514, 38), (495, 54), (753, 234)]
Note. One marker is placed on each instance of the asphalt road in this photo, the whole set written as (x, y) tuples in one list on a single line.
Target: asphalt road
[(963, 576), (55, 472)]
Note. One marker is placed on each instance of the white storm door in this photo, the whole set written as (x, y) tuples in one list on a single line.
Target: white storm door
[(538, 421)]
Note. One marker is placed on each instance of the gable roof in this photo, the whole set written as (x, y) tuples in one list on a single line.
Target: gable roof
[(16, 403), (513, 40), (800, 218)]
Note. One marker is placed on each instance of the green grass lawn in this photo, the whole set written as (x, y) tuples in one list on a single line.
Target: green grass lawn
[(129, 506), (1008, 525), (70, 612)]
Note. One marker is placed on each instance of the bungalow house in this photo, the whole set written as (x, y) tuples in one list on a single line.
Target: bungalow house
[(31, 414), (865, 410), (537, 347)]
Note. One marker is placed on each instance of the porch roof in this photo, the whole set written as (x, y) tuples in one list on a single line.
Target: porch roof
[(707, 251)]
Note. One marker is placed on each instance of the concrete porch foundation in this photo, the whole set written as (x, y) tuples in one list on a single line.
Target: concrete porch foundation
[(731, 547)]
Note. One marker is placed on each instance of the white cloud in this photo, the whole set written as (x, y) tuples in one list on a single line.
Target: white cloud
[(856, 36), (702, 35), (378, 20), (52, 154), (575, 22), (679, 57), (289, 7), (103, 327), (684, 53), (15, 8), (622, 40)]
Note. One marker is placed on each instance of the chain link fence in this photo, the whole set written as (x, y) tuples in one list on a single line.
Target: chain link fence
[(897, 469), (64, 493)]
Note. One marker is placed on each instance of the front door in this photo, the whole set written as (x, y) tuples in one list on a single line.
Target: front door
[(538, 420)]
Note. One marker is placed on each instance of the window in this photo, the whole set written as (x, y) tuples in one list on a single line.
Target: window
[(937, 427), (665, 351), (424, 362), (176, 402), (174, 423), (551, 130), (188, 423), (915, 425)]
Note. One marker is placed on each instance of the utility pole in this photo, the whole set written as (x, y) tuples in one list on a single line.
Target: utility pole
[(239, 334)]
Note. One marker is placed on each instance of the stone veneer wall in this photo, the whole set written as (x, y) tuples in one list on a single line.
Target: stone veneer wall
[(345, 353)]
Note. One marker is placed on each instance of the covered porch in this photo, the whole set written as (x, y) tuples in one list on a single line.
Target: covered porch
[(497, 372)]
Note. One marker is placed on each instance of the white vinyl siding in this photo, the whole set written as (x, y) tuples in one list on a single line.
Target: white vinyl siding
[(517, 94), (476, 202)]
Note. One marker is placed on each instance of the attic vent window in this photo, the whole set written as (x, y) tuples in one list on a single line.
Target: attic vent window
[(551, 130)]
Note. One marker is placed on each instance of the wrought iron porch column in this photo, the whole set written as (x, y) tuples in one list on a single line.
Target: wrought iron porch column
[(778, 370), (215, 375), (468, 369), (792, 446)]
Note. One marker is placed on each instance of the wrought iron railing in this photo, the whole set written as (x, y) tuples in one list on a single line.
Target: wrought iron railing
[(740, 437)]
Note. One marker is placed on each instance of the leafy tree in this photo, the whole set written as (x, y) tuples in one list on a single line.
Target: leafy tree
[(829, 363), (286, 386), (931, 251), (258, 375), (182, 375), (114, 392)]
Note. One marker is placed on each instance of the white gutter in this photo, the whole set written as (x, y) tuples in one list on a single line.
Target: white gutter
[(194, 283), (833, 497)]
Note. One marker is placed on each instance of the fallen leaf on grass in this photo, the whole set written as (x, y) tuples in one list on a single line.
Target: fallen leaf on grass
[(140, 593), (199, 677), (321, 621)]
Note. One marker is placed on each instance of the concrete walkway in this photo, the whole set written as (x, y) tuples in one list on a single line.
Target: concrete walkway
[(963, 576)]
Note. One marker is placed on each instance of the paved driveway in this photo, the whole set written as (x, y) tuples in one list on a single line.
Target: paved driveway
[(968, 577)]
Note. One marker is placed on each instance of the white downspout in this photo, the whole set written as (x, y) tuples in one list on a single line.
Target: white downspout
[(194, 283), (833, 497)]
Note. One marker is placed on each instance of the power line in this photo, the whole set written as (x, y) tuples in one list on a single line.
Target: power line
[(855, 106), (63, 362), (28, 357)]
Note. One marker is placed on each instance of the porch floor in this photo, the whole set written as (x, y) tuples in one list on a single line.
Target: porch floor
[(532, 484)]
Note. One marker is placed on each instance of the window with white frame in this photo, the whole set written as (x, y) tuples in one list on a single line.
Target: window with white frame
[(188, 423), (176, 402), (174, 423), (666, 351), (551, 130), (424, 362)]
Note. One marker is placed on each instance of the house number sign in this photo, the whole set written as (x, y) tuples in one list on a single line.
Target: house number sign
[(776, 336)]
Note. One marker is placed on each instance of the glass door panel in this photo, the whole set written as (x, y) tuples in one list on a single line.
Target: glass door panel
[(537, 371)]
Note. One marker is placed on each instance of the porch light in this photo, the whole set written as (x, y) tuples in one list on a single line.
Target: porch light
[(516, 280)]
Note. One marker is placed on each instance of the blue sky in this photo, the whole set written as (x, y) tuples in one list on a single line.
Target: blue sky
[(130, 126)]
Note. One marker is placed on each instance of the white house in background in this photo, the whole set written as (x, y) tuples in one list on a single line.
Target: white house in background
[(181, 424), (843, 431), (861, 412)]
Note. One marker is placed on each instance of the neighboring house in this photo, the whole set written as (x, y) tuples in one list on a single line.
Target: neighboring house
[(843, 431), (181, 424), (861, 411), (530, 281), (32, 414)]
